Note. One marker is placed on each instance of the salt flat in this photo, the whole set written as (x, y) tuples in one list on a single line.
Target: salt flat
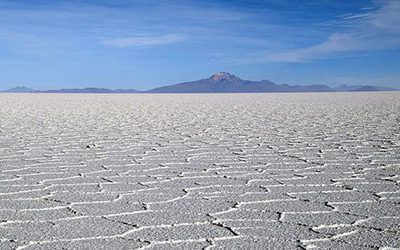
[(233, 171)]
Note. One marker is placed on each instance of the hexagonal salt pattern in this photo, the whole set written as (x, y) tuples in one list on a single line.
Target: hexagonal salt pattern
[(218, 171)]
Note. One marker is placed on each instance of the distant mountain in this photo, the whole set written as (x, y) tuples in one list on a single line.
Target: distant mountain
[(224, 82), (345, 88), (89, 90), (366, 88), (126, 91), (19, 89)]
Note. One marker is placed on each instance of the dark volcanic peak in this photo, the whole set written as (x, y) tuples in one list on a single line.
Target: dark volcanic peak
[(225, 77)]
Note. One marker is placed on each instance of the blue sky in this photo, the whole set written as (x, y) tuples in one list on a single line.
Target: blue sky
[(47, 44)]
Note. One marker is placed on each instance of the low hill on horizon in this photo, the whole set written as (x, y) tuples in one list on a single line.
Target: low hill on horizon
[(352, 88), (90, 90), (19, 89)]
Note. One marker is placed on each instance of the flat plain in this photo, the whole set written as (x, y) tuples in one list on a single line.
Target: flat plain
[(212, 171)]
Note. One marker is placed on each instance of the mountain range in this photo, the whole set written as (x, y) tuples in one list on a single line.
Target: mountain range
[(221, 82), (224, 82)]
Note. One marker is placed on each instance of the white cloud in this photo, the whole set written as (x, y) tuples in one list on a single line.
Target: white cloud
[(377, 29), (139, 41), (388, 18)]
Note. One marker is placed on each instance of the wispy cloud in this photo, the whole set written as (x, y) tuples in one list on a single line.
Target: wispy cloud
[(140, 41), (373, 30)]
